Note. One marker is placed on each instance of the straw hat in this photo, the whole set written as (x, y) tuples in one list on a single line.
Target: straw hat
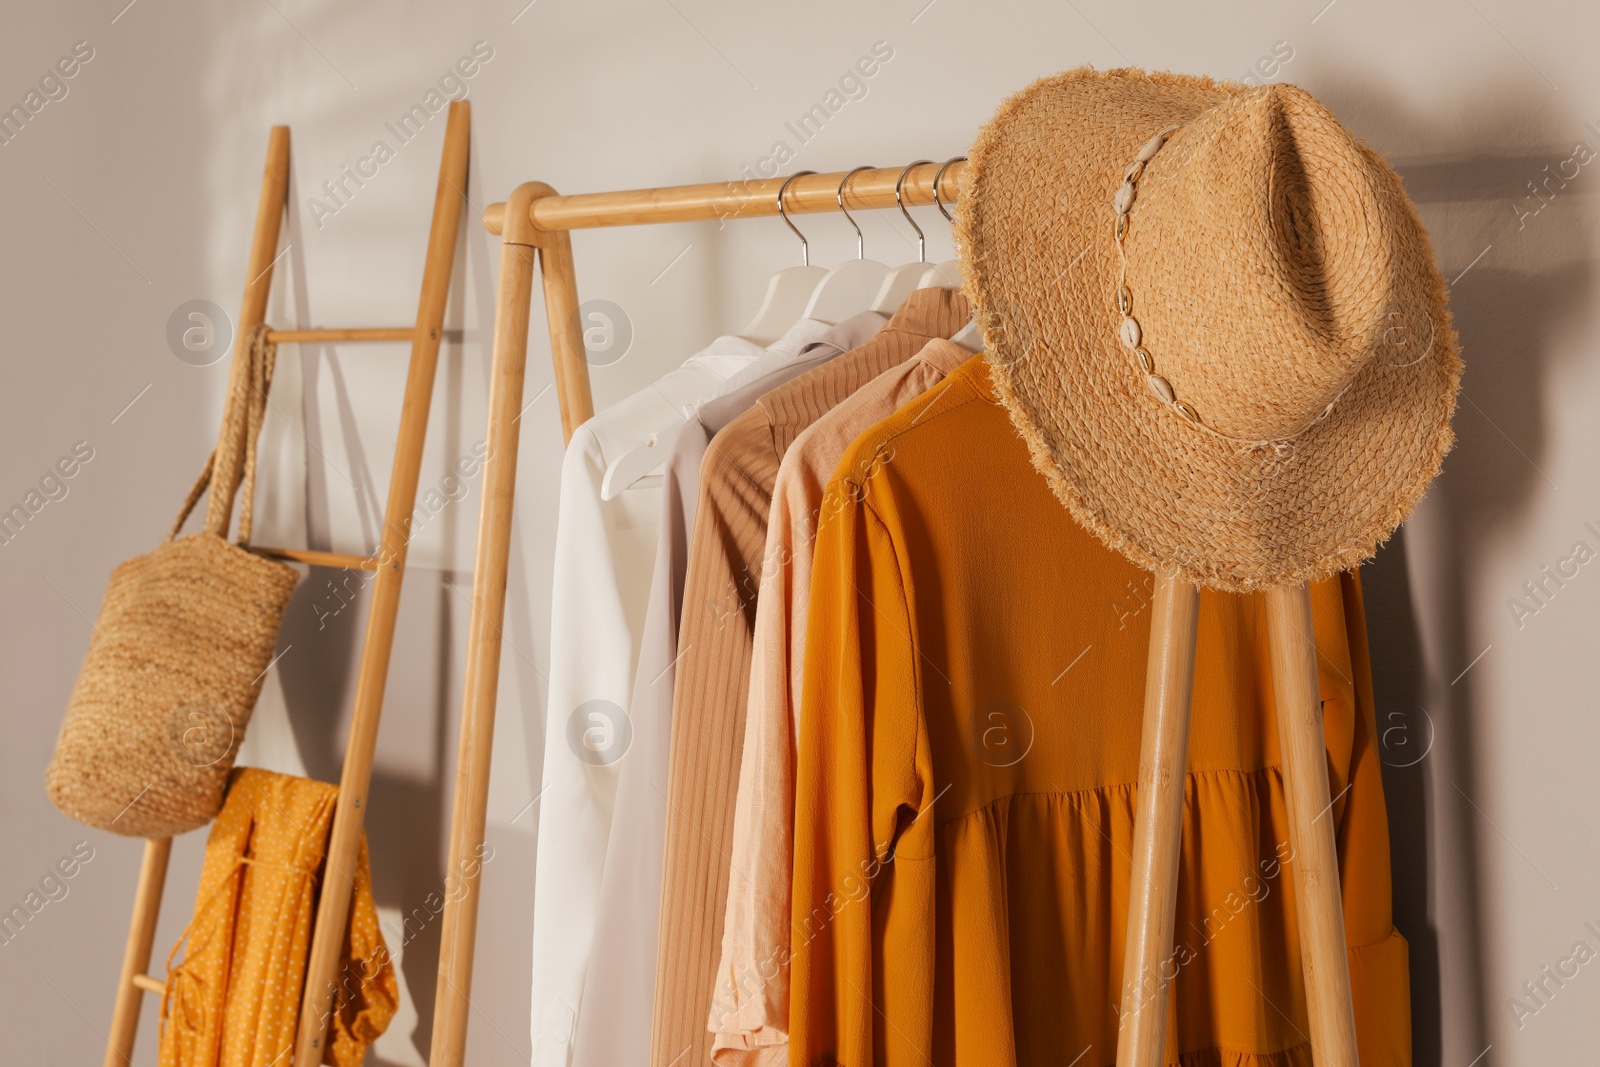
[(1248, 379)]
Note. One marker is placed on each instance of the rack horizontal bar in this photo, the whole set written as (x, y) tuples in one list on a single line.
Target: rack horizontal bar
[(306, 337), (808, 194), (317, 559)]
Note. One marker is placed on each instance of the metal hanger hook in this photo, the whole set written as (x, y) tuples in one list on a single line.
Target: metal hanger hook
[(861, 244), (940, 174), (805, 246), (922, 241)]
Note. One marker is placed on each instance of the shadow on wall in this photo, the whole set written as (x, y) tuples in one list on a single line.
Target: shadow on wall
[(1483, 212)]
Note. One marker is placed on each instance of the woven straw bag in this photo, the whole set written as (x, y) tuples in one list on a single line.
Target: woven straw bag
[(176, 662)]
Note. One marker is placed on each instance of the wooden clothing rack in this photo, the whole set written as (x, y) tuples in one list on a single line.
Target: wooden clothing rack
[(534, 224), (388, 565)]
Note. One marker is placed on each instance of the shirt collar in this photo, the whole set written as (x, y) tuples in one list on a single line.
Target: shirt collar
[(931, 312), (853, 332), (942, 355)]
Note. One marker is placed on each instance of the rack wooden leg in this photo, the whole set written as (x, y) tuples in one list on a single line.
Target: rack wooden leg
[(1324, 961), (136, 957), (469, 816), (566, 332), (344, 840), (1158, 824)]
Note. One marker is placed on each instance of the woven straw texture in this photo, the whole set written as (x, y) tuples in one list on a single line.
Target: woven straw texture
[(1275, 265), (178, 654)]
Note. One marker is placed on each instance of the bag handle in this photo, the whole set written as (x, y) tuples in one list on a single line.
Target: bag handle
[(242, 417)]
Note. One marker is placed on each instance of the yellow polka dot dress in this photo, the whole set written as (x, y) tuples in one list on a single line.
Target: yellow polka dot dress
[(234, 999)]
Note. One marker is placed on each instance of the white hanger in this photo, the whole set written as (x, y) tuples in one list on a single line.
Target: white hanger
[(789, 290), (903, 280), (897, 285), (785, 304), (969, 337), (634, 469), (946, 275), (851, 287)]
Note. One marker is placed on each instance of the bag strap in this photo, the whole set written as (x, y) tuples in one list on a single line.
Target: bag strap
[(232, 465)]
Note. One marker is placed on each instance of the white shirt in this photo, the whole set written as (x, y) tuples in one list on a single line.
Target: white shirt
[(621, 972), (604, 554)]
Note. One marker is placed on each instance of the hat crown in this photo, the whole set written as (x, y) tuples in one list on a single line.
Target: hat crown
[(1262, 263)]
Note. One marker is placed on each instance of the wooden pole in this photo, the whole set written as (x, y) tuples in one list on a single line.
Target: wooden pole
[(258, 276), (136, 957), (344, 841), (1323, 955), (734, 199), (1158, 824)]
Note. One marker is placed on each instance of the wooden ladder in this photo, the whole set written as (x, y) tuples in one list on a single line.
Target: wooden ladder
[(388, 563)]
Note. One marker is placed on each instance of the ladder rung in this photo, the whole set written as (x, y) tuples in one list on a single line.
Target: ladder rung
[(376, 333), (150, 985), (317, 559)]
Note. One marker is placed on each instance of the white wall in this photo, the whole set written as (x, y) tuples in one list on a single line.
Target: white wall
[(134, 193)]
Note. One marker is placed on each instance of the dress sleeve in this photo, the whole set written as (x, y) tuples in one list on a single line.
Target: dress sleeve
[(863, 886)]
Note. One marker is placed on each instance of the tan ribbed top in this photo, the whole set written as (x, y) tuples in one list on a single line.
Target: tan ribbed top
[(713, 671), (749, 1016)]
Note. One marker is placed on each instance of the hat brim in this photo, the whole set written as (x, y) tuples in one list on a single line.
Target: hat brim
[(1040, 266)]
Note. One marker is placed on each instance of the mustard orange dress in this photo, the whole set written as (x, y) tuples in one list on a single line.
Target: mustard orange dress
[(967, 759), (234, 999)]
